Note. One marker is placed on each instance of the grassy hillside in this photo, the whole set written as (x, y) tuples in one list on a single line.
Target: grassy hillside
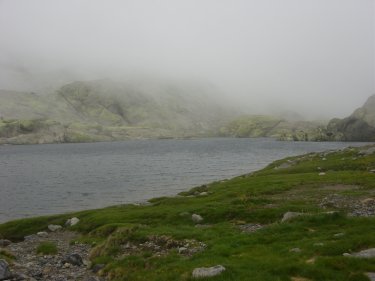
[(242, 227)]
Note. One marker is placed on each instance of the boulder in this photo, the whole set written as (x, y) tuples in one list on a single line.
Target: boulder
[(4, 270), (365, 254), (72, 221), (290, 215), (203, 272), (73, 259), (196, 218), (54, 227)]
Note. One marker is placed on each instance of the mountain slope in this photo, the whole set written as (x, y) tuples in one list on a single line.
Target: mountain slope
[(360, 126), (104, 110)]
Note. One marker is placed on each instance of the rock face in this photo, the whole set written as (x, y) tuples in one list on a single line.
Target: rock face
[(203, 272), (360, 126)]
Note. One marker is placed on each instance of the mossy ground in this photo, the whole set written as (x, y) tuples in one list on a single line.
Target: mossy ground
[(261, 197)]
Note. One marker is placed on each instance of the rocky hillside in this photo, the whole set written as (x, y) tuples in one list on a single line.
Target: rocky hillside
[(105, 110), (274, 127), (360, 126)]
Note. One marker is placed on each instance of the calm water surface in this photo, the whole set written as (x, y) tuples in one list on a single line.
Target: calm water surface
[(56, 178)]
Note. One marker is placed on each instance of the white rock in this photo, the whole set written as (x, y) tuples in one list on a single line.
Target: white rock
[(54, 227), (202, 272), (366, 254), (290, 215), (182, 250), (322, 174), (196, 218), (42, 234), (72, 221), (203, 194), (295, 250)]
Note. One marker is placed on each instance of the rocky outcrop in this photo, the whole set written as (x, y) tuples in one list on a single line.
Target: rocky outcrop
[(360, 126)]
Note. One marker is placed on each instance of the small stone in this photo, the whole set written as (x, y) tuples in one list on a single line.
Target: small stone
[(181, 250), (5, 242), (203, 194), (290, 215), (73, 259), (324, 159), (66, 265), (322, 174), (183, 214), (54, 227), (30, 237), (203, 272), (318, 244), (196, 218), (339, 234), (346, 255), (372, 171), (72, 221), (42, 234), (295, 250), (4, 270)]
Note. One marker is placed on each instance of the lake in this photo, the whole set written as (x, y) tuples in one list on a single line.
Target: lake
[(57, 178)]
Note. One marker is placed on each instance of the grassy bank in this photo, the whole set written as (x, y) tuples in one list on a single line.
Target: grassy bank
[(241, 227)]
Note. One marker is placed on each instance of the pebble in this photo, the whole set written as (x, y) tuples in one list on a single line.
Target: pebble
[(42, 234), (203, 272), (322, 174)]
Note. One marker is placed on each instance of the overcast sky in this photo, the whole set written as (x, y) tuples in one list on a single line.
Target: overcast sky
[(313, 56)]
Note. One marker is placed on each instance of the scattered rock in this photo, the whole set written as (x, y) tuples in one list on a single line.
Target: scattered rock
[(203, 272), (73, 259), (371, 275), (295, 250), (181, 250), (322, 174), (203, 193), (318, 244), (366, 254), (4, 242), (4, 270), (72, 221), (341, 234), (54, 227), (250, 227), (42, 234), (196, 218), (290, 215), (367, 151)]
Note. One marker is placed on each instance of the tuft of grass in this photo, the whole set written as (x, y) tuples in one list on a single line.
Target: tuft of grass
[(47, 248)]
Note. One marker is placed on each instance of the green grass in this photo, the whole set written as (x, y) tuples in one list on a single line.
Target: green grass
[(261, 197), (47, 248)]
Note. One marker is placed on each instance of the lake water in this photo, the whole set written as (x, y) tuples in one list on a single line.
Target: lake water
[(56, 178)]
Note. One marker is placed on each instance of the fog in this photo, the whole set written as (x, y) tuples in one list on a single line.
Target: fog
[(315, 57)]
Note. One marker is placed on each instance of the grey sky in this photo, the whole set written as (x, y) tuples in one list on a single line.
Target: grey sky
[(314, 56)]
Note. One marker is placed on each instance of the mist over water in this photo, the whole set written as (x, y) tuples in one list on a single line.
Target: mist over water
[(314, 57)]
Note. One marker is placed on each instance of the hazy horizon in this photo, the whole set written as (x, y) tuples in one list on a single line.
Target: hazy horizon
[(314, 57)]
